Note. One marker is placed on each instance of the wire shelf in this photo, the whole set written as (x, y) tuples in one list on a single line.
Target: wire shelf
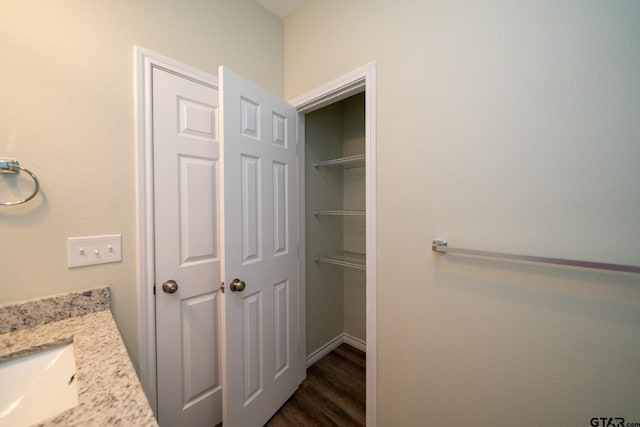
[(346, 162), (345, 259), (317, 212)]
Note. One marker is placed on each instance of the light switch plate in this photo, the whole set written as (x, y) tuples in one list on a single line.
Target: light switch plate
[(94, 250)]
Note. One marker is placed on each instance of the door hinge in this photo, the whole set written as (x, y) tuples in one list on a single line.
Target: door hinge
[(222, 287), (154, 288)]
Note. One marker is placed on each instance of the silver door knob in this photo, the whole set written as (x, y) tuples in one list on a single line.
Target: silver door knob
[(237, 285), (170, 286)]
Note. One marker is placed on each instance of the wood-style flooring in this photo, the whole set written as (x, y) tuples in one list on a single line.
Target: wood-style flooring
[(333, 394)]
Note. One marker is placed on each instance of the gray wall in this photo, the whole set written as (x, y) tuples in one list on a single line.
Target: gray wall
[(354, 289), (335, 295), (323, 190)]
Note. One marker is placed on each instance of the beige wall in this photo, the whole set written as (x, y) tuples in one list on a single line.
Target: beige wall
[(67, 113), (324, 235), (502, 125), (506, 126)]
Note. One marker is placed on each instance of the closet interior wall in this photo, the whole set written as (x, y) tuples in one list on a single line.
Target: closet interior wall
[(335, 295)]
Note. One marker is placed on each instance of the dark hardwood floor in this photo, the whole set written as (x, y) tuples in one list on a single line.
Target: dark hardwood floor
[(333, 394)]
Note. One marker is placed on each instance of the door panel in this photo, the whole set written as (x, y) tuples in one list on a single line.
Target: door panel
[(199, 239), (282, 343), (186, 191), (198, 313), (262, 355), (252, 348), (280, 208), (250, 209), (197, 119)]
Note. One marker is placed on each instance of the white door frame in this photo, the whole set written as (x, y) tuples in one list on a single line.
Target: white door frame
[(145, 61), (340, 88), (363, 78)]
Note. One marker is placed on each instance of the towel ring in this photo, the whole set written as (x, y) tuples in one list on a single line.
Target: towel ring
[(13, 166)]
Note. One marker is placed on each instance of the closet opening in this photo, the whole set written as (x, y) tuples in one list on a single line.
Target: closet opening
[(338, 243), (335, 224), (333, 258)]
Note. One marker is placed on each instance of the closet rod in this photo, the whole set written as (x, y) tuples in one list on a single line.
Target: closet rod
[(442, 246)]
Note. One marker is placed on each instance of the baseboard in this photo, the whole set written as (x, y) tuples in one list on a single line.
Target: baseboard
[(355, 342), (343, 338), (324, 350)]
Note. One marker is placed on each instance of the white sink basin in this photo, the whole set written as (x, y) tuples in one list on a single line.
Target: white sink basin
[(38, 386)]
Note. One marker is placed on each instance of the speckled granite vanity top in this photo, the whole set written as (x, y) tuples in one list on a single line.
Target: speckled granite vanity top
[(109, 391)]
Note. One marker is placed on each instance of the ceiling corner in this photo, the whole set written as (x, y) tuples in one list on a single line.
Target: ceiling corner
[(281, 8)]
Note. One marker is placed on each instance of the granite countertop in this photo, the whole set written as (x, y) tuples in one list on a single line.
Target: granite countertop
[(109, 391)]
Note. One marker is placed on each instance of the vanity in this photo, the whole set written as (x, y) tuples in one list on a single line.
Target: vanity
[(108, 389)]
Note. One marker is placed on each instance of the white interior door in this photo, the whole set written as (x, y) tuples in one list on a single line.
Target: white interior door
[(261, 355), (186, 189)]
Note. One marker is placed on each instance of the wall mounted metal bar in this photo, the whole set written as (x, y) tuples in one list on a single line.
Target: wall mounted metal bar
[(8, 166), (442, 246)]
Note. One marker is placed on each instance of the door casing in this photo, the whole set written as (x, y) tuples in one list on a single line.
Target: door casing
[(340, 88)]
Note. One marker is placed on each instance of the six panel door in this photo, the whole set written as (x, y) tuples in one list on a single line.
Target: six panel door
[(187, 250), (259, 152)]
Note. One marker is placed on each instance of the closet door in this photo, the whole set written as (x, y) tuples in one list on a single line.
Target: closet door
[(260, 267), (187, 261)]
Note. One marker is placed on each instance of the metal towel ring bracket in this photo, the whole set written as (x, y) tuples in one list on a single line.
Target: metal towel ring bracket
[(13, 167)]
